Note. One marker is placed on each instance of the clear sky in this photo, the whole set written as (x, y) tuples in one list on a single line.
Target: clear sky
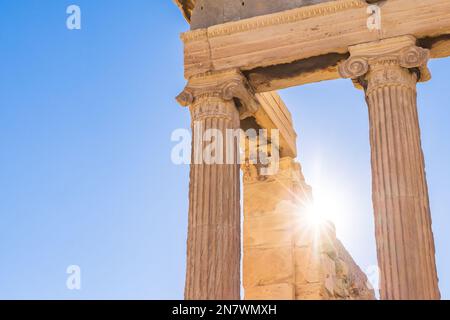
[(85, 171)]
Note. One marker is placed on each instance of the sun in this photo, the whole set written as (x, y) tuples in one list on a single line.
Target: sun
[(325, 207), (319, 216), (314, 216)]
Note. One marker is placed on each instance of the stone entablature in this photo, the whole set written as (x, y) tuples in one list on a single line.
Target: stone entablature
[(317, 30)]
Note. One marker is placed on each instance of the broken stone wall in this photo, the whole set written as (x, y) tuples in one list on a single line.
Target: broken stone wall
[(285, 256)]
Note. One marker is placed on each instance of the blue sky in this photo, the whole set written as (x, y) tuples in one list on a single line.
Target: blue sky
[(85, 171)]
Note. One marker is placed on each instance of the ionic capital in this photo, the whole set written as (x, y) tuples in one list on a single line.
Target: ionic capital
[(384, 62), (225, 85)]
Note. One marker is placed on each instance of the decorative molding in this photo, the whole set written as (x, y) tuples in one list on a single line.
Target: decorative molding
[(199, 34), (386, 72), (212, 107), (288, 16)]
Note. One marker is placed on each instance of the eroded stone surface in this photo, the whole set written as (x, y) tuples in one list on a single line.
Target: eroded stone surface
[(282, 291)]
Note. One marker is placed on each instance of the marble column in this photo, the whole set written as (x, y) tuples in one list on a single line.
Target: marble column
[(388, 71), (213, 245)]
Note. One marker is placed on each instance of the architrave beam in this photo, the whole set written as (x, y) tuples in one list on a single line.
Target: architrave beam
[(312, 31)]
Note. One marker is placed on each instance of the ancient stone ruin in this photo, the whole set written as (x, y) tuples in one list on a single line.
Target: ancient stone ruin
[(237, 54)]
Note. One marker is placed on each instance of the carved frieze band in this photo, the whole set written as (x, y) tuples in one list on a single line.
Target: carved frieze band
[(289, 16), (225, 85)]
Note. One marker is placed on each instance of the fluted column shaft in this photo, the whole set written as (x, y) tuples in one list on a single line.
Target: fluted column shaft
[(213, 255), (400, 195), (405, 244), (214, 245)]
